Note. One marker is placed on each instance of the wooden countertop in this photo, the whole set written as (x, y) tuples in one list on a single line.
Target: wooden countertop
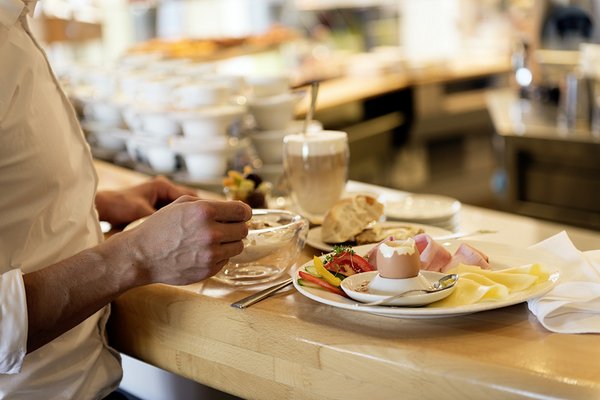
[(290, 347)]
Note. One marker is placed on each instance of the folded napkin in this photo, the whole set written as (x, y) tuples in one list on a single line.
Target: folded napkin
[(479, 285), (573, 305)]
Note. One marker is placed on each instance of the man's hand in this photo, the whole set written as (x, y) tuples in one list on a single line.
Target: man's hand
[(184, 242), (124, 206)]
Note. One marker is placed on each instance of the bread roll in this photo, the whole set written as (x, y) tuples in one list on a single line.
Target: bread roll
[(349, 217)]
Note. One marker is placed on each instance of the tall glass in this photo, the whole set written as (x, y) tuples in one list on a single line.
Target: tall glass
[(316, 170)]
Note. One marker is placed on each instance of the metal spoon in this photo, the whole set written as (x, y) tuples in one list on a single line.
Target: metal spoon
[(445, 282), (314, 91)]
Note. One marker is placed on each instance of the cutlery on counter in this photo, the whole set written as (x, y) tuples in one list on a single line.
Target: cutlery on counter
[(263, 294)]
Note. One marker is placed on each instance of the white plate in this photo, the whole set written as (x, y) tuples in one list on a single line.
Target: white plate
[(314, 234), (422, 207), (352, 286), (501, 256)]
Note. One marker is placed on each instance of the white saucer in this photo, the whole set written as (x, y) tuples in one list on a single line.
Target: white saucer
[(358, 288), (424, 208)]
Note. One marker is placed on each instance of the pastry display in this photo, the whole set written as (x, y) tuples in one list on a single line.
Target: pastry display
[(216, 48)]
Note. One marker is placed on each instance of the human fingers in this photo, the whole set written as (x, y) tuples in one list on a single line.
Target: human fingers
[(168, 191), (229, 211), (137, 210), (230, 249), (232, 231), (185, 199)]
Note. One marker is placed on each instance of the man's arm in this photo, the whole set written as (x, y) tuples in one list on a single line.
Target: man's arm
[(182, 243)]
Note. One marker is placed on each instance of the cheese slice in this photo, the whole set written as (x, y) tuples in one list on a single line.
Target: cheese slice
[(478, 285)]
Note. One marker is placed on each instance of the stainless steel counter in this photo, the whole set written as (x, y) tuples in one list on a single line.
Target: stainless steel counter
[(552, 172)]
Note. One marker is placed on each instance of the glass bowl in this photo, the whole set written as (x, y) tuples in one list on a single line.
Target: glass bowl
[(274, 242)]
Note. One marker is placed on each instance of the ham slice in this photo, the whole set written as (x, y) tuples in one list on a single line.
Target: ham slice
[(434, 257), (466, 254)]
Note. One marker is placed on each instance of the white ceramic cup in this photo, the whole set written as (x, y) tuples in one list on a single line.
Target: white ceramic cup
[(159, 124), (132, 118), (109, 140), (235, 83), (201, 95), (269, 144), (316, 170), (103, 82), (209, 122), (209, 165), (159, 93), (274, 112), (132, 83), (103, 111), (162, 159), (268, 85)]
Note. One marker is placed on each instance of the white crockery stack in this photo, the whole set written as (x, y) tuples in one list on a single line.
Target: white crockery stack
[(272, 106), (167, 116)]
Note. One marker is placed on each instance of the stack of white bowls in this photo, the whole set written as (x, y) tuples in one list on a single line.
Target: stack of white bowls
[(173, 116), (182, 118), (187, 110), (95, 99), (272, 106)]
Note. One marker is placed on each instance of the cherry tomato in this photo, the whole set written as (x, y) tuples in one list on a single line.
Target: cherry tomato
[(348, 263)]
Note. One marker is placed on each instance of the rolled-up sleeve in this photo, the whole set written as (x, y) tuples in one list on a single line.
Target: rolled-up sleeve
[(13, 322)]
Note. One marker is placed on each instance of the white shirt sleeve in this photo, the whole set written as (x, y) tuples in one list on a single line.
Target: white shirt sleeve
[(13, 322)]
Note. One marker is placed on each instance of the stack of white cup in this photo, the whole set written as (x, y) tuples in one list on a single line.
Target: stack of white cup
[(187, 109), (101, 113), (144, 103), (272, 105)]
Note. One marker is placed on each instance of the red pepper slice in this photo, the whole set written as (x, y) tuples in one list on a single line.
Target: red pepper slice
[(322, 283), (348, 263)]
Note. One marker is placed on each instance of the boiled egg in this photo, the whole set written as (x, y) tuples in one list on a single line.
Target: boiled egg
[(398, 259)]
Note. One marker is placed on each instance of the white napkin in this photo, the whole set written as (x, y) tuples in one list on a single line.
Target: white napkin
[(573, 305)]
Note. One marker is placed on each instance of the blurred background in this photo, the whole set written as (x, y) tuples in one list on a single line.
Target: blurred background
[(493, 102)]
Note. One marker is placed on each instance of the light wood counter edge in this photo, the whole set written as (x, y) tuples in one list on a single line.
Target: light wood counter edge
[(260, 353)]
